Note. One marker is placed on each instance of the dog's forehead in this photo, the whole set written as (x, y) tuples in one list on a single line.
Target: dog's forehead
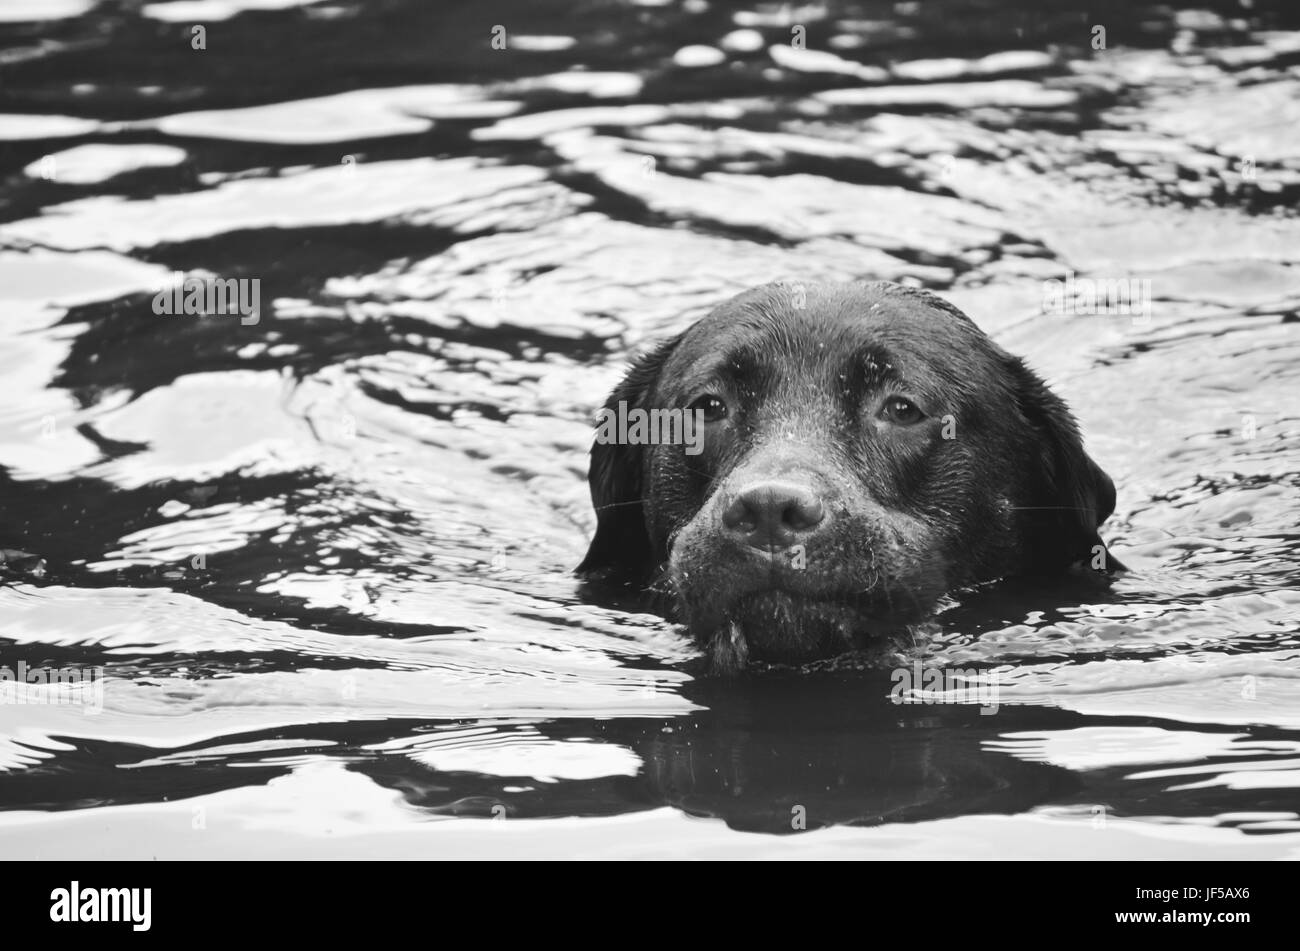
[(824, 323)]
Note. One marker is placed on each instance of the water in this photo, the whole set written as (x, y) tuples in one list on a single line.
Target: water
[(324, 558)]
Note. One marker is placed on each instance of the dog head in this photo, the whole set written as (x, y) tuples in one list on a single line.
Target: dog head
[(827, 461)]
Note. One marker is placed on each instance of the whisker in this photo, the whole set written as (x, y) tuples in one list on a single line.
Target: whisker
[(1068, 508), (614, 505)]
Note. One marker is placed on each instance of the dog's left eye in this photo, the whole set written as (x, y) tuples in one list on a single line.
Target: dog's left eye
[(901, 412), (713, 407)]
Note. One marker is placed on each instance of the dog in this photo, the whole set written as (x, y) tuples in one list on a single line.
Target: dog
[(865, 450)]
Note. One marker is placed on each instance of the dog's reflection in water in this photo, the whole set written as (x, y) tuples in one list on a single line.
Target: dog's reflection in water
[(776, 753)]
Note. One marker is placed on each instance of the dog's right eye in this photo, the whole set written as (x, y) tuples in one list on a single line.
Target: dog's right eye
[(712, 406)]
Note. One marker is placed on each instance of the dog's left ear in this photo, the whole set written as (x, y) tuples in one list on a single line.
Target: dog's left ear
[(1070, 495), (621, 549)]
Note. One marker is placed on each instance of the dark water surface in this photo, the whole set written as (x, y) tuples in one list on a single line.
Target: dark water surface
[(324, 559)]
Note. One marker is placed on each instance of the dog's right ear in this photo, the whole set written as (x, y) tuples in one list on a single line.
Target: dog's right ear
[(621, 549)]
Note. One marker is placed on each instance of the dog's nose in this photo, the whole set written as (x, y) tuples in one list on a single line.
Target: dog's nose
[(773, 514)]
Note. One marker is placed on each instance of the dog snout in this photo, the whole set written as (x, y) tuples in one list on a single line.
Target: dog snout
[(773, 515)]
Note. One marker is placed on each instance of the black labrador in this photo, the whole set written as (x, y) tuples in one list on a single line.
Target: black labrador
[(861, 450)]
